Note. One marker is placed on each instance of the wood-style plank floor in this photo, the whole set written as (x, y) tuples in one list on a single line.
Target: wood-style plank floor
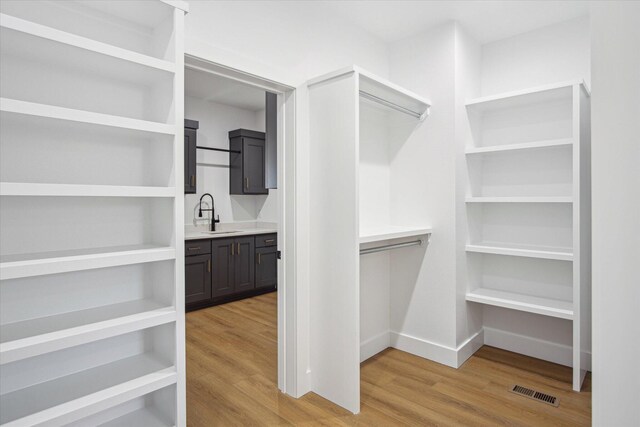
[(232, 380)]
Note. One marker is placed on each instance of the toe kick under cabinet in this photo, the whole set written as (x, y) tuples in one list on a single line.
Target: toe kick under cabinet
[(219, 270)]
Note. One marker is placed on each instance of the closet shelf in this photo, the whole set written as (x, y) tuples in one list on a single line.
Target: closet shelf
[(524, 146), (562, 91), (518, 199), (46, 35), (561, 254), (38, 264), (73, 190), (15, 106), (382, 90), (388, 232), (530, 304), (142, 417), (81, 394), (33, 337)]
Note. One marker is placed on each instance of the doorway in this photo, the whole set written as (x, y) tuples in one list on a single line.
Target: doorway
[(238, 95)]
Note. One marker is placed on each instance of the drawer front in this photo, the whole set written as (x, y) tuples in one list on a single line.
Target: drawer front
[(264, 240), (197, 247)]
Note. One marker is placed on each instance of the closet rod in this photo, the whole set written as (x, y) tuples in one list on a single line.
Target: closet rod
[(217, 149), (389, 247), (390, 104)]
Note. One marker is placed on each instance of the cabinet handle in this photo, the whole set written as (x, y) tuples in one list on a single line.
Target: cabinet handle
[(194, 248), (246, 182), (232, 249), (193, 180), (269, 240), (259, 258), (209, 266), (238, 248)]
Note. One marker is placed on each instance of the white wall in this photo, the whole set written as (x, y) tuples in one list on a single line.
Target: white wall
[(290, 39), (547, 55), (423, 297), (216, 120), (615, 44)]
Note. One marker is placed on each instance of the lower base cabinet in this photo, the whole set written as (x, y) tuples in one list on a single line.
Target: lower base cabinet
[(235, 268)]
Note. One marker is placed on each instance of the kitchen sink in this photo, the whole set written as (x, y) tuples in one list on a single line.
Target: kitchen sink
[(221, 232)]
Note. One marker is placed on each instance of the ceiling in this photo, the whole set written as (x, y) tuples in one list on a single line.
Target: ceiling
[(213, 88), (486, 21)]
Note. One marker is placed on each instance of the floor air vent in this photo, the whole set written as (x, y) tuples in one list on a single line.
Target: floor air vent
[(535, 395)]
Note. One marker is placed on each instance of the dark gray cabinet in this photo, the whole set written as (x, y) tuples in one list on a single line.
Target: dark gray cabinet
[(197, 272), (190, 138), (233, 269), (247, 162), (271, 140), (222, 255), (225, 269)]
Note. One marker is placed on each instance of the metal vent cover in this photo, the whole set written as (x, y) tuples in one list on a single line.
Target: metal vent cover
[(535, 395)]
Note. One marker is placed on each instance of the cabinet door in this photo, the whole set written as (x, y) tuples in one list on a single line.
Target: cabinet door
[(266, 267), (223, 266), (244, 264), (271, 140), (189, 161), (197, 284), (253, 163)]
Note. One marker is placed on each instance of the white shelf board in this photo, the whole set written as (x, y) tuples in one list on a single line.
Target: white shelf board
[(72, 190), (48, 35), (33, 337), (381, 88), (144, 417), (520, 98), (560, 254), (72, 397), (388, 232), (508, 199), (60, 113), (530, 304), (524, 146), (38, 264)]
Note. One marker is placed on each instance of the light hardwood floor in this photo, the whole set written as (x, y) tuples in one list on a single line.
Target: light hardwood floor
[(232, 380)]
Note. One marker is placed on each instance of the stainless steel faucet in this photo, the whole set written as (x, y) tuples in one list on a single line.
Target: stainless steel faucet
[(214, 220)]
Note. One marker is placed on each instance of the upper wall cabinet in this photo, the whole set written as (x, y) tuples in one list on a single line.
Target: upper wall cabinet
[(271, 140), (190, 139), (247, 162)]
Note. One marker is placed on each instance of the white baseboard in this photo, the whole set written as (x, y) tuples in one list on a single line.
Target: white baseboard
[(374, 345), (470, 346), (540, 349)]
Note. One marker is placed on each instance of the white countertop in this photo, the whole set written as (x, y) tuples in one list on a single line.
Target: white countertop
[(229, 230)]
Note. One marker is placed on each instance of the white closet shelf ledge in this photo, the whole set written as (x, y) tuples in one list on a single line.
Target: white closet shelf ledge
[(523, 146), (146, 417), (52, 34), (38, 264), (76, 396), (33, 337), (72, 190), (530, 304), (388, 232), (561, 91), (60, 113), (520, 199), (560, 254)]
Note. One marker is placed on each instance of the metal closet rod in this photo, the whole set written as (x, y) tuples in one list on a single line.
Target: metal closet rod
[(217, 149), (389, 247), (390, 104)]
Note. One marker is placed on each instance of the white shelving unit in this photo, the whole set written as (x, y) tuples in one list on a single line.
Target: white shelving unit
[(358, 124), (528, 207), (91, 246)]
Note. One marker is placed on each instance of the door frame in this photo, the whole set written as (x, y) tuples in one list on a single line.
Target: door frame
[(286, 172)]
